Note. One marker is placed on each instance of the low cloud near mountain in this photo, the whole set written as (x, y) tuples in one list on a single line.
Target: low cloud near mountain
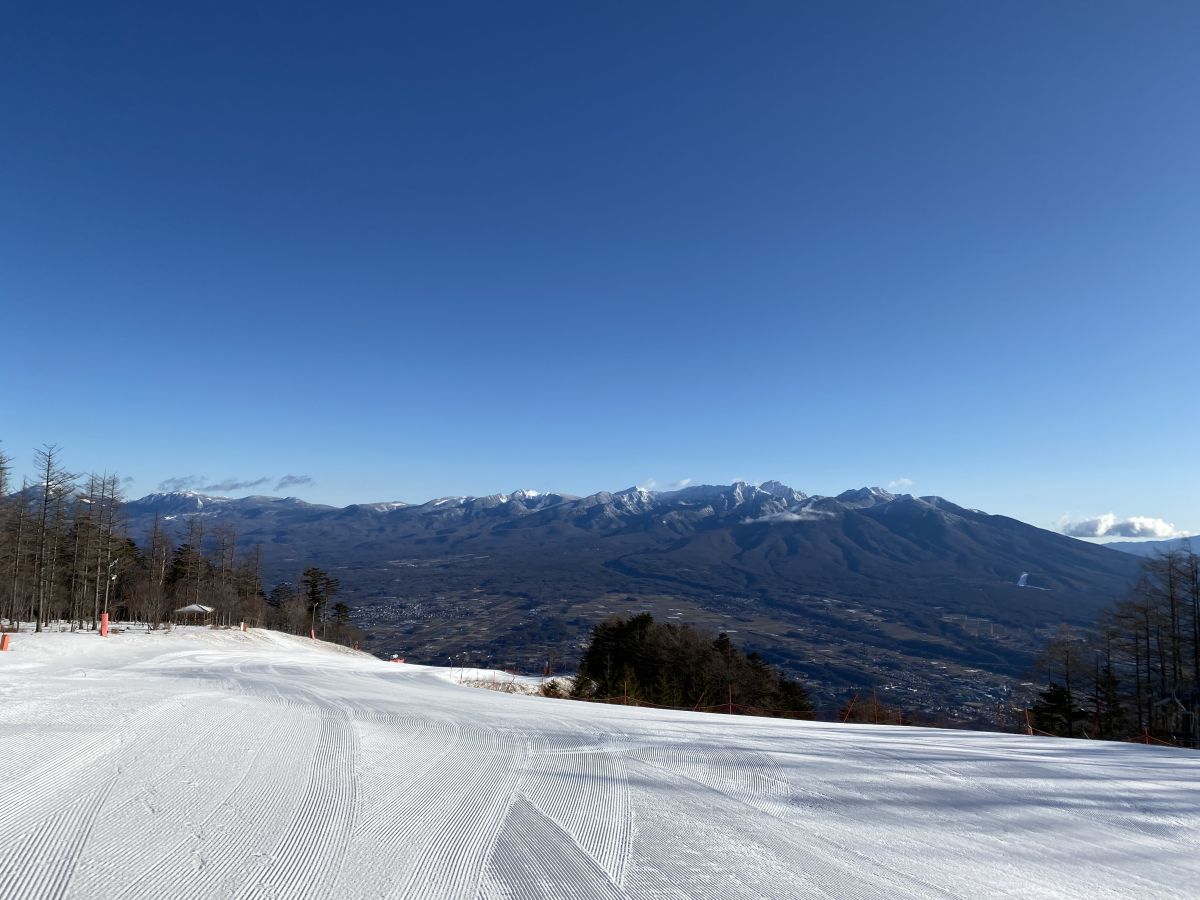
[(1108, 525)]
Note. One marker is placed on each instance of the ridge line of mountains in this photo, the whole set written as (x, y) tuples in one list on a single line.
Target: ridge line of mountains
[(865, 588)]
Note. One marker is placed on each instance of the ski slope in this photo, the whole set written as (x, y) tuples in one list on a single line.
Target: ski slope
[(203, 764)]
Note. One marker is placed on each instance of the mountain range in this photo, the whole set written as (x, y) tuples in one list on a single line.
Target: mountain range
[(867, 587), (1154, 548)]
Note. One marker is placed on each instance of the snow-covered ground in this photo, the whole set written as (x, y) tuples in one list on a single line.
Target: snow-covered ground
[(220, 764)]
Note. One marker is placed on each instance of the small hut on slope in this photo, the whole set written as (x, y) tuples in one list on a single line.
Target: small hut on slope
[(194, 614)]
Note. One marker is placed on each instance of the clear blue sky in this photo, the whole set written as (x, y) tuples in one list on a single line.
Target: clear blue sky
[(406, 253)]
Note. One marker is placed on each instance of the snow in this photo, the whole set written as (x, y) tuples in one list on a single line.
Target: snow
[(207, 763)]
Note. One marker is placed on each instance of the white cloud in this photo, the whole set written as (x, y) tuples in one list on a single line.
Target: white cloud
[(679, 485), (1108, 525), (900, 484), (648, 485)]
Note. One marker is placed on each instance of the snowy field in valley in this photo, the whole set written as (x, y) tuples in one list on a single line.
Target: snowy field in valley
[(204, 764)]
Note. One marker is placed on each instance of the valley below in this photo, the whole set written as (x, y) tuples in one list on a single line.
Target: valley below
[(947, 667)]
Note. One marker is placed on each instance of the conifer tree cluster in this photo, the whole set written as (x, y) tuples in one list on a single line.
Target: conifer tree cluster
[(640, 660), (1137, 673), (65, 557)]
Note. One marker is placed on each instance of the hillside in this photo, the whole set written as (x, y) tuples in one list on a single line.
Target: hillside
[(866, 588), (1153, 548), (200, 764)]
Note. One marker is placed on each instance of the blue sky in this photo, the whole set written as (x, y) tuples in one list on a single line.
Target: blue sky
[(405, 253)]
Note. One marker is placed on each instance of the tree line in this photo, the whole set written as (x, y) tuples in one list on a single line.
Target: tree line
[(1136, 673), (641, 661), (66, 557)]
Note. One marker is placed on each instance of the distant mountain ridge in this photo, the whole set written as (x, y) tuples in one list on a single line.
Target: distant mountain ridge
[(757, 501), (770, 532), (1153, 548), (831, 587)]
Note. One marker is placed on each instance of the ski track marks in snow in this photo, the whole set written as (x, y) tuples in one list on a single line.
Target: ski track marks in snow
[(226, 765), (322, 823), (536, 859), (584, 791), (218, 851), (65, 793), (460, 805)]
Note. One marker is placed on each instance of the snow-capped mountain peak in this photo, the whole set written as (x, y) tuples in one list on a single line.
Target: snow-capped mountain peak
[(864, 497)]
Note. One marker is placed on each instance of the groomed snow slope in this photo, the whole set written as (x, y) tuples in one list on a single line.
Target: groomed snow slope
[(208, 764)]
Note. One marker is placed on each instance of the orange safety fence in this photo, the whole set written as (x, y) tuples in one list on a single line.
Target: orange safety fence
[(1147, 738)]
